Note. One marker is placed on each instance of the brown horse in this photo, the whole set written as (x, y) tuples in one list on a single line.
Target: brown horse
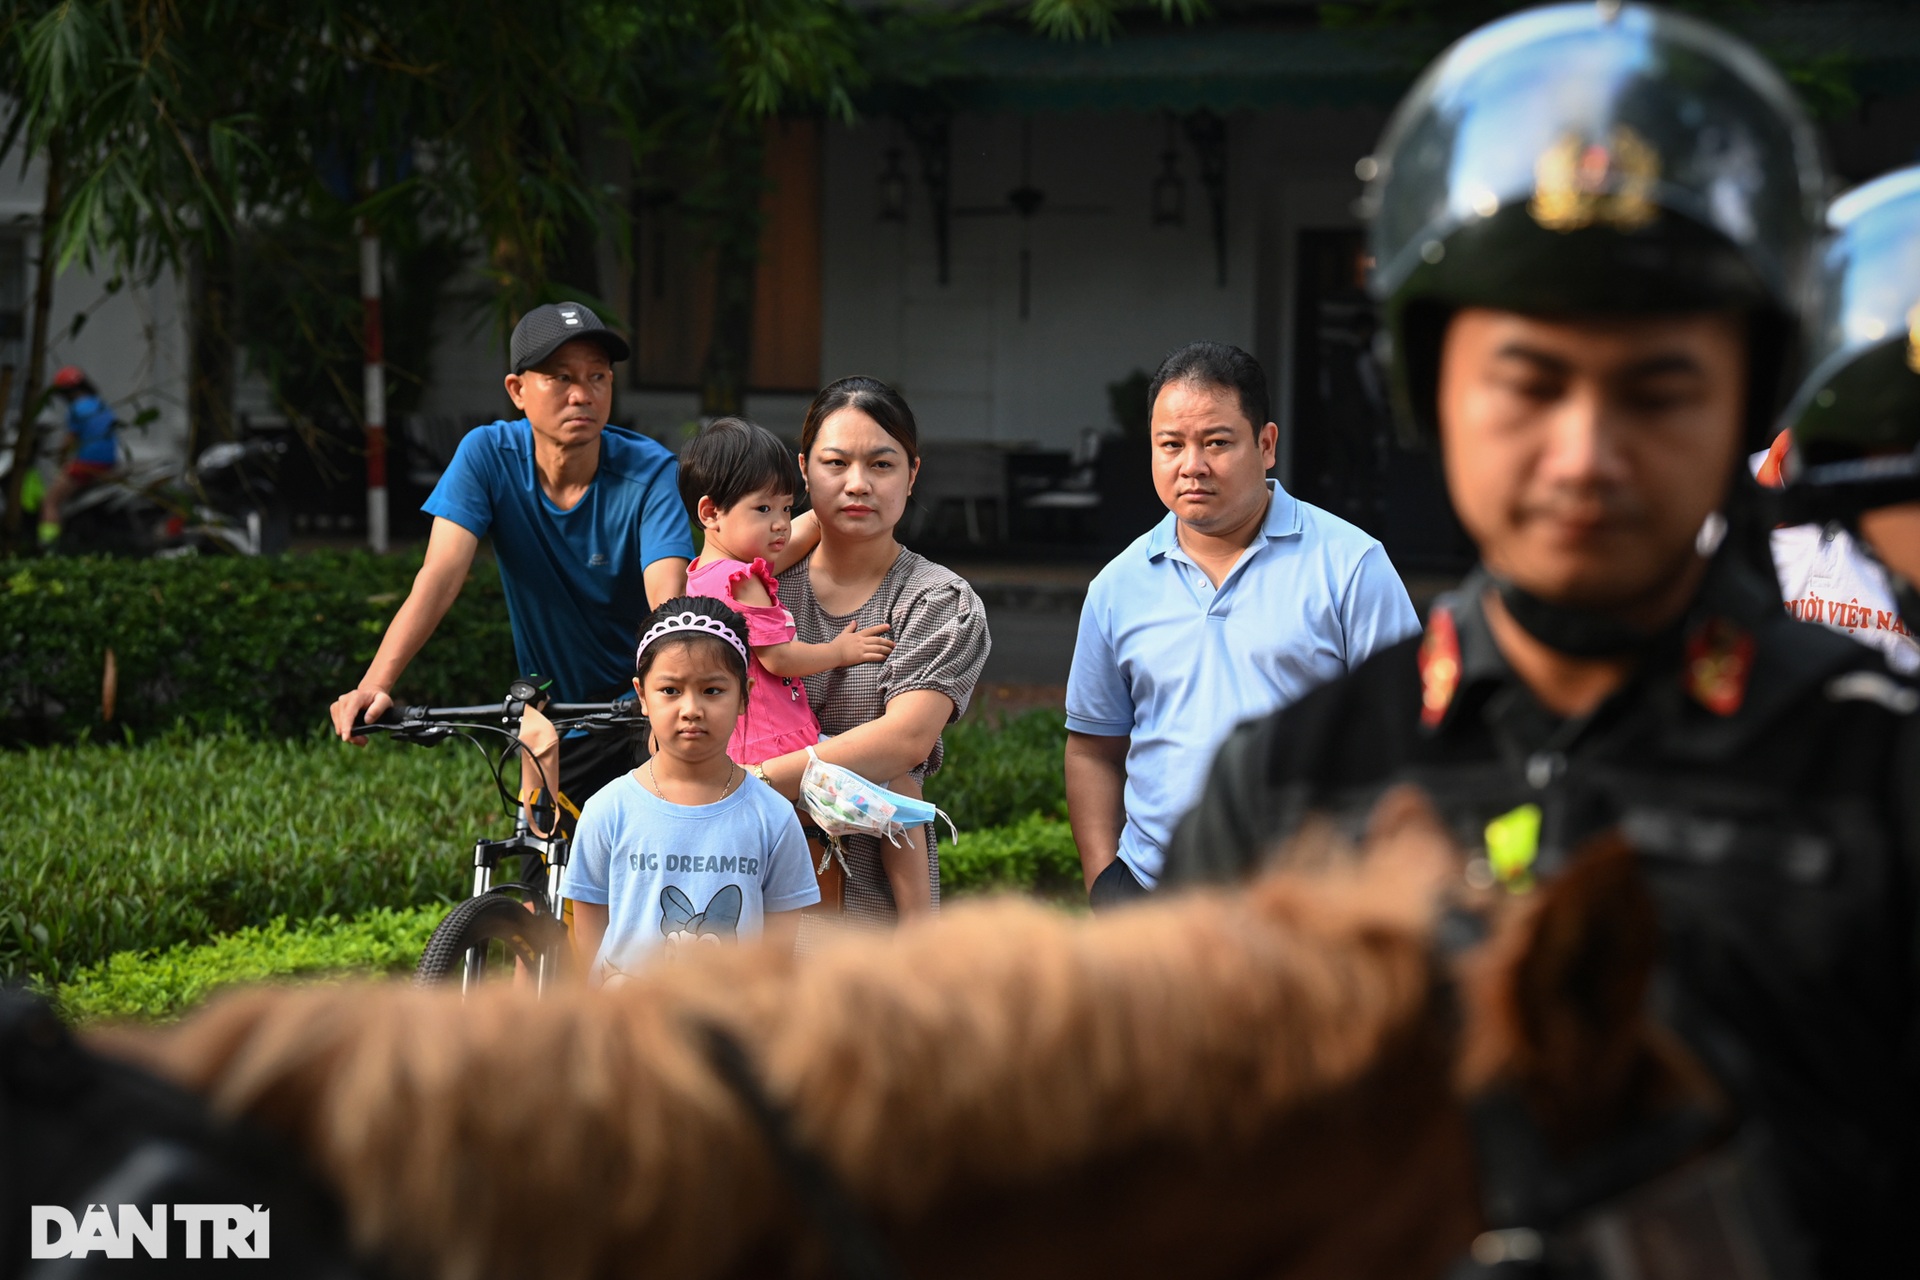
[(1267, 1082)]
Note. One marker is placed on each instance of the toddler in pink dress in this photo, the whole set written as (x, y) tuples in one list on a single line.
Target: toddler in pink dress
[(739, 482)]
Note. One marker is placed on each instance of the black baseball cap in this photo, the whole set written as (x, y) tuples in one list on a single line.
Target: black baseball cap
[(544, 330)]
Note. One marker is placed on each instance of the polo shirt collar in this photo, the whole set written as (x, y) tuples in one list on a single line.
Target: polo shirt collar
[(1282, 521), (1283, 513)]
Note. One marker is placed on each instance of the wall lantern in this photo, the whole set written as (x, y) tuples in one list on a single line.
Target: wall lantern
[(1169, 194), (1169, 191), (893, 189), (1207, 134)]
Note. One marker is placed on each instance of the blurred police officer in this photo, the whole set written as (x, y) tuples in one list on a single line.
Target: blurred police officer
[(1856, 419), (1590, 227)]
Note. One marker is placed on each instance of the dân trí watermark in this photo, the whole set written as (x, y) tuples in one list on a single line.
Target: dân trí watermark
[(236, 1230)]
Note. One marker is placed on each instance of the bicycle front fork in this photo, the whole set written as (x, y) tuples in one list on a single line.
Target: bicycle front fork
[(546, 855)]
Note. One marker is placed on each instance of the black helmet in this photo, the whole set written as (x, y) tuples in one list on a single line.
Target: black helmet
[(1582, 159), (1856, 419)]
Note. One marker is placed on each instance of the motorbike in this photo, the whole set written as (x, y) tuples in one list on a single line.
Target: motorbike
[(227, 503)]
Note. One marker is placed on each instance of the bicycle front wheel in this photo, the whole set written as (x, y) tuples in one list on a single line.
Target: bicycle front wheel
[(502, 936)]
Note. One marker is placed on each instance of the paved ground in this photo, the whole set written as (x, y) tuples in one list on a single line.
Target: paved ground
[(1030, 648), (1034, 612)]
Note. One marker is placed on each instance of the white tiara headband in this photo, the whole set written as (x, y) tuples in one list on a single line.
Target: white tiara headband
[(703, 623)]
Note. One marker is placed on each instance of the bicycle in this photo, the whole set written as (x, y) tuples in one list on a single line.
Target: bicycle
[(515, 925)]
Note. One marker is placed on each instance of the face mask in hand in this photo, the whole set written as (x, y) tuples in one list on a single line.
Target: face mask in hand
[(846, 804)]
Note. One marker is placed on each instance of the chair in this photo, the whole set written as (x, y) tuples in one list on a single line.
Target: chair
[(966, 474), (1077, 497)]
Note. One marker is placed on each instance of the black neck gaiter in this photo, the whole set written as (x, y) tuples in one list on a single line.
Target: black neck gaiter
[(1575, 632)]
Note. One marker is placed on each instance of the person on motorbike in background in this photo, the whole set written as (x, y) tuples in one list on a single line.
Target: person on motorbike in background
[(91, 449), (1856, 420), (1591, 227)]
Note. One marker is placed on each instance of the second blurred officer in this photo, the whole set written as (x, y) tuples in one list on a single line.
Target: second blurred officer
[(1856, 420)]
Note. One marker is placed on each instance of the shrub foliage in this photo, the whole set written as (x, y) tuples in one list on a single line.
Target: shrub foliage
[(999, 771), (162, 984), (1035, 854), (263, 644), (121, 848), (118, 847), (133, 878)]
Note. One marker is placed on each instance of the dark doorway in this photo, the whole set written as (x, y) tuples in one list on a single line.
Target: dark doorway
[(1345, 456)]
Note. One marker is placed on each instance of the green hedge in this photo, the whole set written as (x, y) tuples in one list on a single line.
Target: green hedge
[(1035, 854), (149, 984), (119, 848), (998, 771), (264, 644), (1004, 784)]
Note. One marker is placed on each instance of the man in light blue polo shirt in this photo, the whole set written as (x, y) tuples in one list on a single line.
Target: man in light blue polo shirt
[(1240, 600)]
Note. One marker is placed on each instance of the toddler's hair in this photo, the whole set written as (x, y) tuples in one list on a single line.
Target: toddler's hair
[(732, 458), (705, 606)]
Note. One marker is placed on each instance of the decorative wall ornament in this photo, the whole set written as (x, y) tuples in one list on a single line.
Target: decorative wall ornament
[(1169, 203), (1207, 133), (1026, 202), (893, 189), (932, 136)]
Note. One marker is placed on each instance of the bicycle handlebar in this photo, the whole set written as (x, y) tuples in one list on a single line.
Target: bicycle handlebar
[(394, 718)]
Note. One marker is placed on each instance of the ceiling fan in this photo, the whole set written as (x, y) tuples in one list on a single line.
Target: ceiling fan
[(1027, 202)]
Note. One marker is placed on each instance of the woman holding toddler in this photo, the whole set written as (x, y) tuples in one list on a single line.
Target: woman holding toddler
[(861, 640), (860, 452)]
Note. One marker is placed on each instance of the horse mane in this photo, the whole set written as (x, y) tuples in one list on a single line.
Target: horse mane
[(1004, 1056)]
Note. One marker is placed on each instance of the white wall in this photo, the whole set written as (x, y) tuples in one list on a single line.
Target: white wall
[(1110, 292), (133, 343)]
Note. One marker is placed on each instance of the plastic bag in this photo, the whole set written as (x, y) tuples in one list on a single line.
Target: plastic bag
[(846, 804)]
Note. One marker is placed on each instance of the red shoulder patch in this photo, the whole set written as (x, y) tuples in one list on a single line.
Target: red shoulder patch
[(1719, 660), (1439, 666)]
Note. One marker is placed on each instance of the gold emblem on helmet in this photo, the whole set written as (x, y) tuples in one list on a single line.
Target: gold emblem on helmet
[(1582, 183), (1913, 338)]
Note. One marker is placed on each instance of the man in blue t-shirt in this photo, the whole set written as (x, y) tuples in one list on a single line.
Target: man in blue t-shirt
[(587, 528)]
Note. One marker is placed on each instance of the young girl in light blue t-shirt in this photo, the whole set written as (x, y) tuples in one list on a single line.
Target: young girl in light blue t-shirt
[(689, 848)]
